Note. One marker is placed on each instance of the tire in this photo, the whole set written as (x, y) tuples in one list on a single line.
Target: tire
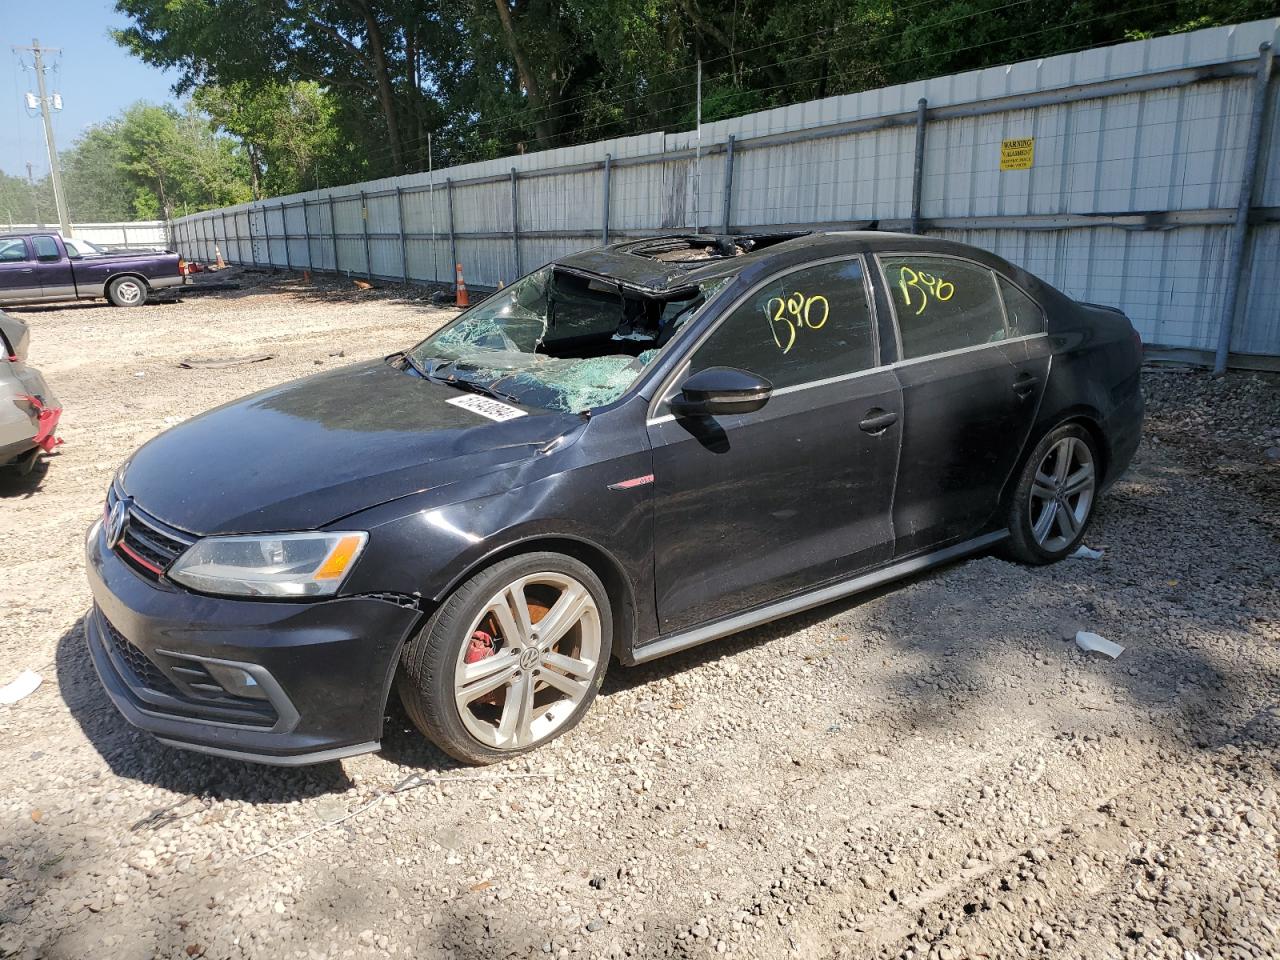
[(1049, 516), (127, 292), (478, 712)]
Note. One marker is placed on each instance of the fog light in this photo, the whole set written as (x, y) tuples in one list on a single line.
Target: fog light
[(237, 682)]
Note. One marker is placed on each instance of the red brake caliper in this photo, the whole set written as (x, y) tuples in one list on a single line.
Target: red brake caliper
[(480, 647)]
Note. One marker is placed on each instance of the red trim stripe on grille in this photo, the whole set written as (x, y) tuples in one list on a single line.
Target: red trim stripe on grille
[(133, 555)]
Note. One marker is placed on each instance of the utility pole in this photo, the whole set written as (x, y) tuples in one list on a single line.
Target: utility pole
[(35, 196), (55, 173)]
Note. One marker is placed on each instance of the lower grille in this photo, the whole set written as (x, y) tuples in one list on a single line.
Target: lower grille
[(144, 672), (195, 694)]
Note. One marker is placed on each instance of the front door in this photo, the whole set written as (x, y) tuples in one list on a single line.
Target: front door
[(18, 280), (971, 381), (53, 269), (752, 507)]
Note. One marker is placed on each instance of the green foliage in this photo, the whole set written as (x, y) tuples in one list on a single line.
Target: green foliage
[(288, 133), (317, 92)]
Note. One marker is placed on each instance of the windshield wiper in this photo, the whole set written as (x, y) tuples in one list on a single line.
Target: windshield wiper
[(479, 388), (418, 368), (453, 381)]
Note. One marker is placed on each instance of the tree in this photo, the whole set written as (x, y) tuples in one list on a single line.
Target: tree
[(287, 131), (490, 77), (20, 202)]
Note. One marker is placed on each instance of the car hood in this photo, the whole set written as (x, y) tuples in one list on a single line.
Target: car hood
[(301, 455)]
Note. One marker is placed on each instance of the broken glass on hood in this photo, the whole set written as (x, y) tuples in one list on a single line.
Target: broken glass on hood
[(557, 340)]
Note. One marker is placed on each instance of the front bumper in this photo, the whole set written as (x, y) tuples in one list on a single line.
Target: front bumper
[(322, 669)]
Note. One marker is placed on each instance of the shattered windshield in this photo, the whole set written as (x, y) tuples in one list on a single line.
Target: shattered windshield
[(557, 340)]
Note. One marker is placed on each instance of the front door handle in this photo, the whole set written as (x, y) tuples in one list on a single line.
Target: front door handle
[(1025, 385), (877, 421), (27, 270)]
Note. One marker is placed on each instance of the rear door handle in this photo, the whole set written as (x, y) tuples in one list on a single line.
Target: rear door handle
[(877, 421), (1025, 385)]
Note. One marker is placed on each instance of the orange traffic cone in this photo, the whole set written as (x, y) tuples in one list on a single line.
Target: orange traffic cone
[(222, 264), (462, 299)]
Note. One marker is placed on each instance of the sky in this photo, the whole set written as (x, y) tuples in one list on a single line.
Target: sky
[(95, 77)]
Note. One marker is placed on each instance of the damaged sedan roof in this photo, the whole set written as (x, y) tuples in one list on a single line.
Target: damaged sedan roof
[(674, 265), (671, 267)]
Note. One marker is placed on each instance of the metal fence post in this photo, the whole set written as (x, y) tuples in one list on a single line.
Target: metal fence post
[(728, 182), (226, 239), (604, 227), (364, 229), (404, 244), (333, 234), (266, 232), (306, 233), (515, 223), (248, 222), (453, 240), (284, 229), (917, 174), (1240, 231)]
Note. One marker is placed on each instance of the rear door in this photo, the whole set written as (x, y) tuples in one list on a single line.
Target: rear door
[(971, 384), (18, 279), (752, 507)]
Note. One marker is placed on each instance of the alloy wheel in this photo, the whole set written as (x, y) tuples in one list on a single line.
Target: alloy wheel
[(1062, 493), (129, 292), (533, 652)]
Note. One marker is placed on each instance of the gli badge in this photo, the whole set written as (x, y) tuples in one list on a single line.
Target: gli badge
[(117, 520)]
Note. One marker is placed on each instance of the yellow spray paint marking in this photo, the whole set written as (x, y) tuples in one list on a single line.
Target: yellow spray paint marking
[(924, 285), (1017, 154), (794, 313)]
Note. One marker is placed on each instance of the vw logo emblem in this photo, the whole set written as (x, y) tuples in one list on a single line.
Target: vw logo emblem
[(117, 520)]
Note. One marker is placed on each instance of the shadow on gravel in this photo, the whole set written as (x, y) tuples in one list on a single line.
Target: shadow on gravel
[(136, 755), (15, 484), (620, 678)]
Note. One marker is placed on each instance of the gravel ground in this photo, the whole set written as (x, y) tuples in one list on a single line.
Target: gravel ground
[(930, 771)]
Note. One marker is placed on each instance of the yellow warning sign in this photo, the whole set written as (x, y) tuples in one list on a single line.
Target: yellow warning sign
[(1017, 154)]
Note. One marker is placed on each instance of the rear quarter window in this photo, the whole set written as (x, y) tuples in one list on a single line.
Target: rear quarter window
[(1023, 314)]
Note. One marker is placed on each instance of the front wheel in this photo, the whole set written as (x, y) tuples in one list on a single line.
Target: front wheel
[(511, 660), (1053, 502), (127, 292)]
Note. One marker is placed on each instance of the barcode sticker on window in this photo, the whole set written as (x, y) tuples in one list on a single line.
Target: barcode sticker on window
[(487, 407)]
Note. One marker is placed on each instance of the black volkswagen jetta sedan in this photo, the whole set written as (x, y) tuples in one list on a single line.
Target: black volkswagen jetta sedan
[(630, 451)]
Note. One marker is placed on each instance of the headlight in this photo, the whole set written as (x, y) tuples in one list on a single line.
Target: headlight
[(270, 565)]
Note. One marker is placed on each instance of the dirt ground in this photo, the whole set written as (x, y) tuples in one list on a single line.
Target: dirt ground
[(930, 771)]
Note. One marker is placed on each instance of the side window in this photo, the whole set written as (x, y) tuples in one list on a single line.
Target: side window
[(1022, 313), (12, 250), (46, 249), (943, 304), (808, 325)]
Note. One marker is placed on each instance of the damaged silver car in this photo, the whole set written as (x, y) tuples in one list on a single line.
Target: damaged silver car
[(29, 412)]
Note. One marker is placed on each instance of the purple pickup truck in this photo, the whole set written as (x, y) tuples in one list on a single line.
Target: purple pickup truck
[(41, 267)]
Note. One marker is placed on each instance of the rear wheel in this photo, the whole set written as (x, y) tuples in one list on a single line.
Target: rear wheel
[(1053, 502), (127, 292), (511, 660)]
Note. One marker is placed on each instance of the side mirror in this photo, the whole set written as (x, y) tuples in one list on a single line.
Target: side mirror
[(717, 391)]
